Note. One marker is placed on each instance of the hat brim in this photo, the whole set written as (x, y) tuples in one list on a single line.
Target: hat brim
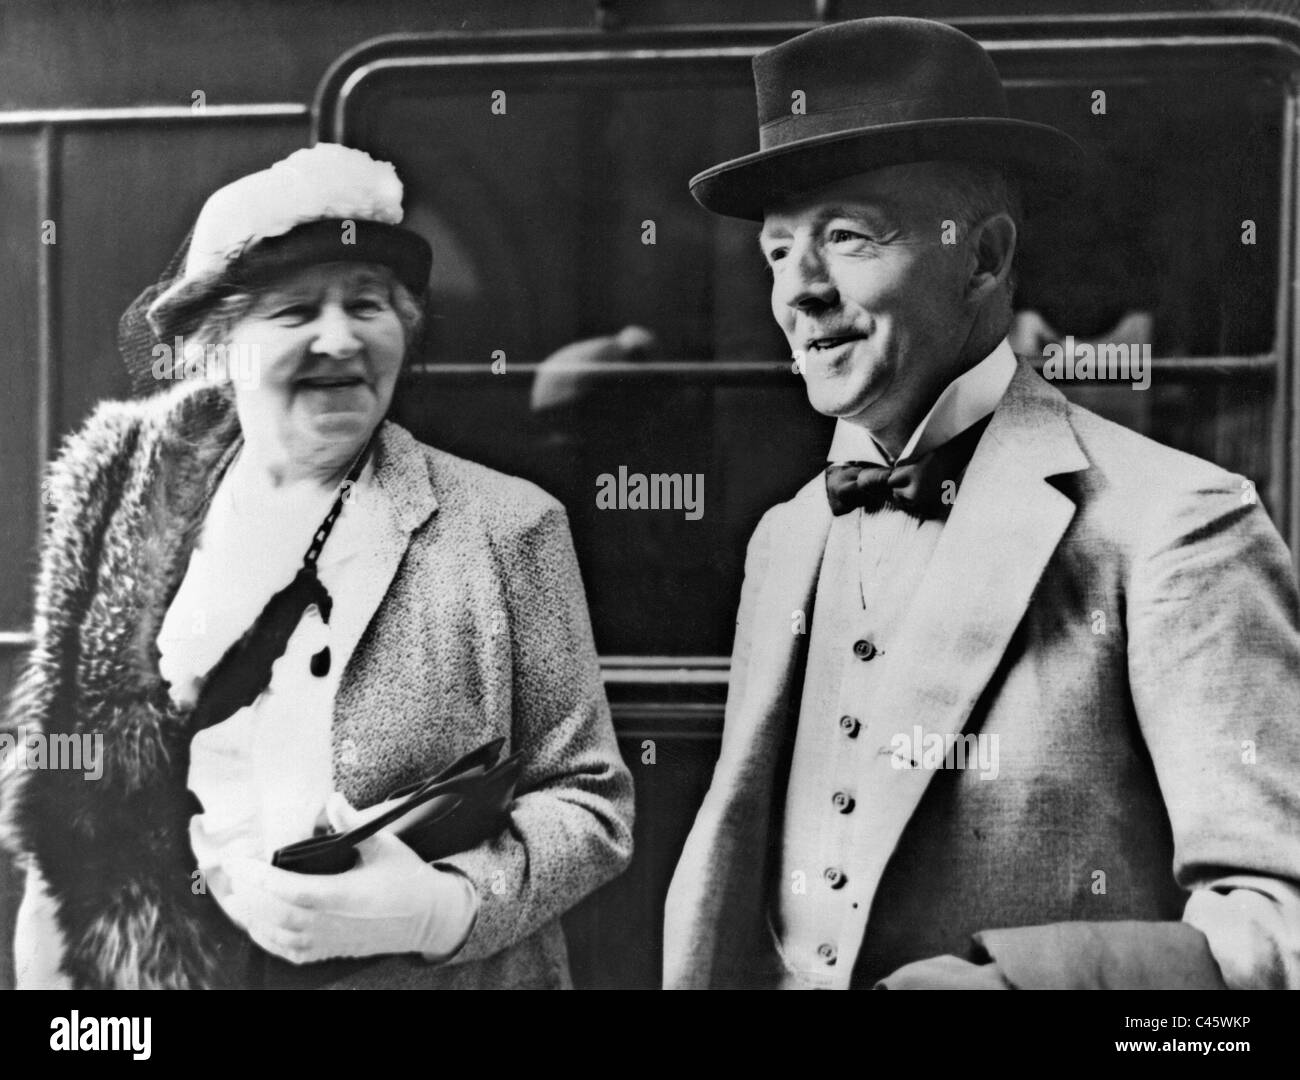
[(1046, 159), (182, 307)]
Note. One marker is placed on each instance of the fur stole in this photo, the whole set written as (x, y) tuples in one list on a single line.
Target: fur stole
[(127, 495)]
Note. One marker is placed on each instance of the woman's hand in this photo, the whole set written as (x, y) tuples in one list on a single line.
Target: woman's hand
[(391, 902)]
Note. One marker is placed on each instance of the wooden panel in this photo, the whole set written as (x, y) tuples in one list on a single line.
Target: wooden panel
[(616, 935), (10, 882), (21, 251)]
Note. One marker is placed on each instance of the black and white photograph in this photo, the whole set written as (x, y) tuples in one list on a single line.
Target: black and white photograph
[(649, 495)]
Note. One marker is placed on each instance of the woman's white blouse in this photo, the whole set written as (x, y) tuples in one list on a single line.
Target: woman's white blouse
[(263, 775)]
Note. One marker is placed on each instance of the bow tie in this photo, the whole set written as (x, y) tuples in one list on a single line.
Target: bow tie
[(925, 487)]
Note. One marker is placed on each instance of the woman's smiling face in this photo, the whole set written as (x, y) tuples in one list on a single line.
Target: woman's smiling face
[(328, 347)]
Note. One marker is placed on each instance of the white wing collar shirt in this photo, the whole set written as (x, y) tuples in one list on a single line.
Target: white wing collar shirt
[(970, 397)]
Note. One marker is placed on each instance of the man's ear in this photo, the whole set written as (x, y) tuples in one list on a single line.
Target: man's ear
[(992, 248)]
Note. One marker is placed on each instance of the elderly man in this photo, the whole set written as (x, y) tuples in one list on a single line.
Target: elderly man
[(1015, 693)]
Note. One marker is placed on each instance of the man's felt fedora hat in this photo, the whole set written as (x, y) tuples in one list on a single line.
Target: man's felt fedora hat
[(861, 95)]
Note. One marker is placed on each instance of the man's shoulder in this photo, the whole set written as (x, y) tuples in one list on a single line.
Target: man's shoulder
[(1140, 496), (810, 498), (1124, 462)]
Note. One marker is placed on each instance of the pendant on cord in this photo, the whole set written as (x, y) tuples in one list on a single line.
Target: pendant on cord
[(320, 663)]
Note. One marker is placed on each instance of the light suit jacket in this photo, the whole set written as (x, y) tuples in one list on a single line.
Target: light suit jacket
[(1125, 618)]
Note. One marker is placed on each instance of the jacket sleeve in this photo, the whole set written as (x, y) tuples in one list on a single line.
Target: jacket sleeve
[(570, 828), (701, 927), (1214, 656), (1213, 627)]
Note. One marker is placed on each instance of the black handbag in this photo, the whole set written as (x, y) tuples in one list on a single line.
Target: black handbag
[(457, 809)]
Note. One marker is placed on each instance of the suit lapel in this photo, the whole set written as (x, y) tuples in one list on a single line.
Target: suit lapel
[(783, 611), (401, 474), (1004, 527), (1003, 530), (759, 714)]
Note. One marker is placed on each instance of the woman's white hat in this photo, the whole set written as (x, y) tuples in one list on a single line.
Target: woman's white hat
[(328, 203)]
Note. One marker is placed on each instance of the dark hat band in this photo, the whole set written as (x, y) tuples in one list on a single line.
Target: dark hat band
[(798, 126), (181, 307)]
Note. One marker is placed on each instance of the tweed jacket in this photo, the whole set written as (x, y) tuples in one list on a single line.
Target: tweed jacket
[(1124, 617), (482, 632)]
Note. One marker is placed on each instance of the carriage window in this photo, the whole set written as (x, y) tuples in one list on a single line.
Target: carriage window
[(597, 332)]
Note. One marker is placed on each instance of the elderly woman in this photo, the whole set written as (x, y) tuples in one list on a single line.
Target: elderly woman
[(418, 606)]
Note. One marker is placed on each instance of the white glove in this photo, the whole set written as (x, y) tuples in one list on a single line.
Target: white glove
[(392, 901), (38, 941)]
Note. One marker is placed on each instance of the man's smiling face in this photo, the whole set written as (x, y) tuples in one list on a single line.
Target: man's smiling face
[(869, 296)]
